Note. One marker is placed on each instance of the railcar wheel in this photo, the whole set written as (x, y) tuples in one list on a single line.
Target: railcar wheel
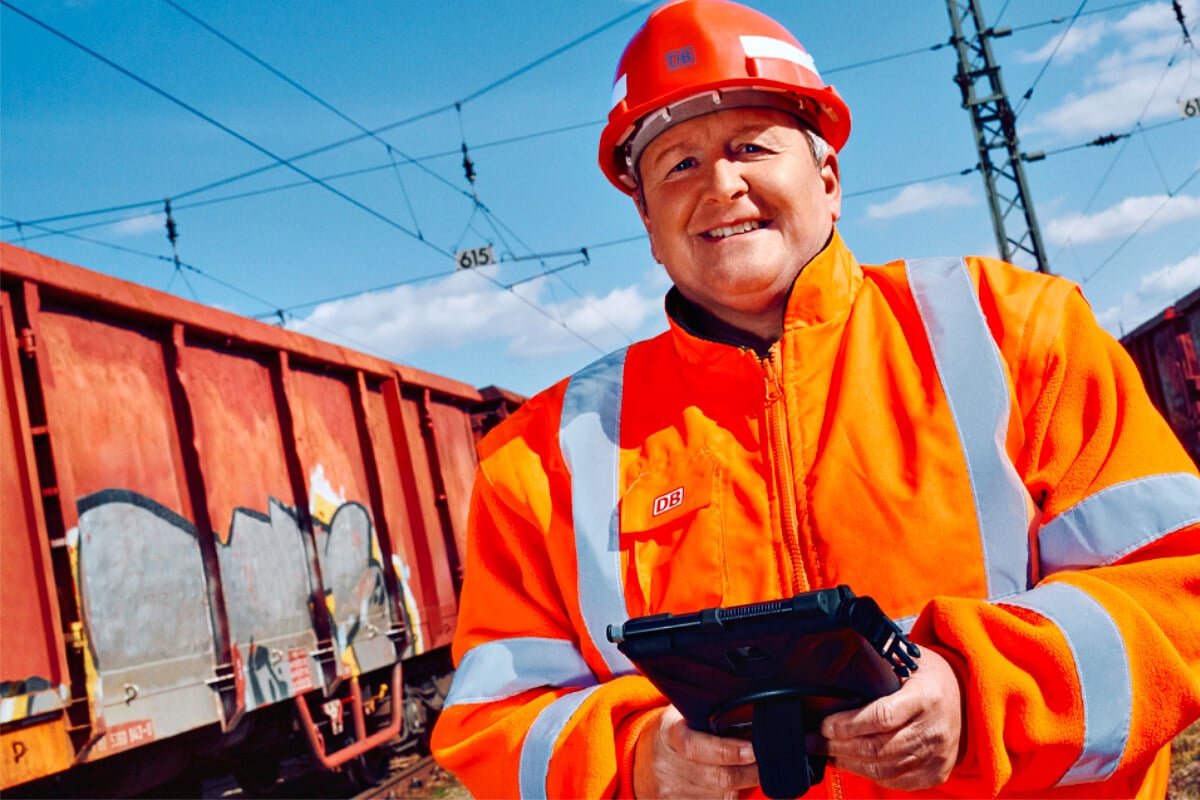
[(257, 778)]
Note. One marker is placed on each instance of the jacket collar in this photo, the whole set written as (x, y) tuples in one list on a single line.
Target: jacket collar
[(823, 291)]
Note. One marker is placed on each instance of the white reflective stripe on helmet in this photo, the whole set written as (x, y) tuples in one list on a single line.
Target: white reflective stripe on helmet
[(768, 47), (976, 387), (618, 91), (1115, 521), (589, 437), (538, 749), (504, 668), (1102, 669)]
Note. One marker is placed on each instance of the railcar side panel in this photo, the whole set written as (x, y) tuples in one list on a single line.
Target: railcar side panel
[(410, 561), (206, 516), (139, 569), (1166, 350), (456, 454), (28, 605), (260, 545), (351, 562), (34, 740), (433, 544)]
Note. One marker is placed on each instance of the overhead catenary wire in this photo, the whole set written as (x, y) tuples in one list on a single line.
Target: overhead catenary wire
[(191, 109), (1046, 65), (467, 164), (1124, 146), (393, 165), (314, 97), (491, 86), (221, 126), (291, 185), (1170, 196), (1098, 141), (173, 238), (156, 257)]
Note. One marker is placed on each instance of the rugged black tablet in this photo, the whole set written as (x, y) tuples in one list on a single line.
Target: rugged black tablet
[(772, 671)]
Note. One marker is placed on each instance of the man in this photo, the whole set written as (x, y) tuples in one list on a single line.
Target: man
[(956, 438)]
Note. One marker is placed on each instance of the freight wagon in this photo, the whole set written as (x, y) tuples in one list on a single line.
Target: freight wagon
[(219, 537), (1166, 350)]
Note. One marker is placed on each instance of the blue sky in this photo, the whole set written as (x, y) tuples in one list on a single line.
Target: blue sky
[(364, 259)]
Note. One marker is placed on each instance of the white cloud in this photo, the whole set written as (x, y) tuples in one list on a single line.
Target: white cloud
[(465, 308), (920, 197), (136, 226), (1156, 18), (1154, 211), (1080, 38), (1119, 104), (1128, 83), (1156, 291), (1148, 55)]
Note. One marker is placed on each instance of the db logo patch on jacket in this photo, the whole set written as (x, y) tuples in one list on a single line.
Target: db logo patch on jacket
[(662, 495), (665, 502)]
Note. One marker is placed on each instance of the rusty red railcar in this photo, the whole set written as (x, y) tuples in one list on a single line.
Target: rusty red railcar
[(1166, 349), (215, 531)]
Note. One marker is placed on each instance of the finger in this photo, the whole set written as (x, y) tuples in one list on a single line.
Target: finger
[(869, 749), (705, 748), (888, 773), (883, 715), (906, 774)]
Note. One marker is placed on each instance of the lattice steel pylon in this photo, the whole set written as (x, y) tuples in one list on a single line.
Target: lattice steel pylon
[(995, 129)]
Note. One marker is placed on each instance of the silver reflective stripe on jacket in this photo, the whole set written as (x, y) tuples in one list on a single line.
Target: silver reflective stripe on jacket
[(1099, 530), (973, 378), (589, 437), (1102, 666), (539, 742), (1115, 521), (503, 668)]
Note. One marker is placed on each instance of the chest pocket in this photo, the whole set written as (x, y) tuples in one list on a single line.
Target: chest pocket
[(670, 533)]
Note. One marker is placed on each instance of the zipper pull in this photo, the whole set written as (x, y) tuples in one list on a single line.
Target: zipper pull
[(774, 386)]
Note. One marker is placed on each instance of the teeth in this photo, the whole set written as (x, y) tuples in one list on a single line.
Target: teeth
[(730, 230)]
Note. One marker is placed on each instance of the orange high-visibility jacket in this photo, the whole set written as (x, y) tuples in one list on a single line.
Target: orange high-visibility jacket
[(956, 438)]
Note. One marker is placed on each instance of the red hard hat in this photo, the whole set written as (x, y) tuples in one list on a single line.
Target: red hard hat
[(729, 54)]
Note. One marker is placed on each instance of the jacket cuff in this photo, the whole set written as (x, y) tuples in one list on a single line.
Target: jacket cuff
[(628, 733)]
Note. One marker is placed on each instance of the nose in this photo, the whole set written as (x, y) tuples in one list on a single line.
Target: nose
[(726, 180)]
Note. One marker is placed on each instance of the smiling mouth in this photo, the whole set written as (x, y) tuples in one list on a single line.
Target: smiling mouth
[(733, 230)]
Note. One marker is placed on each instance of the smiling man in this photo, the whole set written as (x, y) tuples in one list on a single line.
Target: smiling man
[(730, 249), (954, 437)]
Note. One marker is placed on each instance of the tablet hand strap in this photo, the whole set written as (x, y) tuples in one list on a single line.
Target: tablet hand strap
[(785, 770)]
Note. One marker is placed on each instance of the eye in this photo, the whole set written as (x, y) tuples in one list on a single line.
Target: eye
[(684, 165)]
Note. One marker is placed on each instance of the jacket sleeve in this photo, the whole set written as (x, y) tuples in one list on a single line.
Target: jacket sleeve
[(529, 714), (1088, 675)]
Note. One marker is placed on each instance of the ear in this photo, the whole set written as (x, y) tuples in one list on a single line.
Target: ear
[(831, 180)]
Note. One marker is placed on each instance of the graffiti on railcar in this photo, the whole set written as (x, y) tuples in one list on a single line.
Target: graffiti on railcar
[(351, 565), (412, 613), (265, 576), (144, 605), (148, 618)]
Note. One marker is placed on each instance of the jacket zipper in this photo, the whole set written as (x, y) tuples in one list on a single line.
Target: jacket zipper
[(797, 580)]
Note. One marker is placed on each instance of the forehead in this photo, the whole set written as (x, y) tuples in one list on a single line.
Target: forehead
[(721, 126)]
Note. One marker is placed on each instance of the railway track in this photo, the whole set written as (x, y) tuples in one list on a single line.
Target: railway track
[(409, 776), (420, 777)]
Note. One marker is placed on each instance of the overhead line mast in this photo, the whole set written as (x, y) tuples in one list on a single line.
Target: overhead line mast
[(994, 123)]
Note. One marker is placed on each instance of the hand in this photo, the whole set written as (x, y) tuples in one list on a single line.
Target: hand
[(907, 740), (672, 760)]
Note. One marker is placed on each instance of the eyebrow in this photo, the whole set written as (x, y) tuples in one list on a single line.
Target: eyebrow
[(755, 128)]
